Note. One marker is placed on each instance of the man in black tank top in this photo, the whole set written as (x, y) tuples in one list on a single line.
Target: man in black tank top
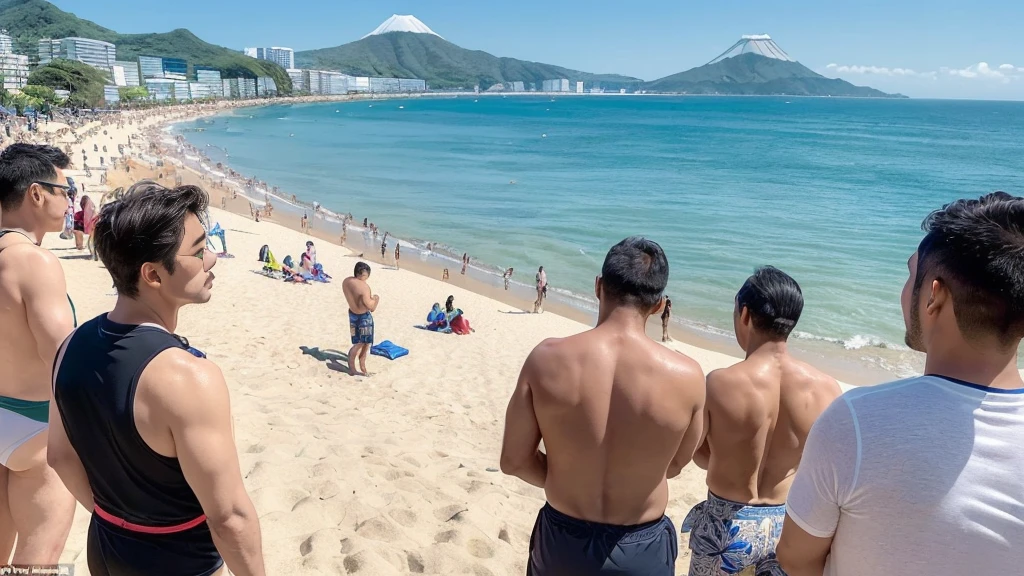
[(35, 318), (144, 438)]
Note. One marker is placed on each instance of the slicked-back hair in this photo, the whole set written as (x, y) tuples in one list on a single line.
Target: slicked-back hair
[(635, 272), (976, 248), (360, 268), (23, 164), (145, 226), (774, 301)]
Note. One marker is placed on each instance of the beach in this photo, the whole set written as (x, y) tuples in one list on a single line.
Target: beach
[(392, 474)]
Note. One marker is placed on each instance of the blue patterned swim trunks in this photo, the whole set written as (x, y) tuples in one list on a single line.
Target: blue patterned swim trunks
[(728, 538), (361, 327)]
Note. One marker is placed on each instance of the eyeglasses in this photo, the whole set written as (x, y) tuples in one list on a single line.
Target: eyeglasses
[(201, 255), (50, 187)]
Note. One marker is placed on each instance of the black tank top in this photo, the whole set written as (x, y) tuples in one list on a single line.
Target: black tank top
[(94, 390)]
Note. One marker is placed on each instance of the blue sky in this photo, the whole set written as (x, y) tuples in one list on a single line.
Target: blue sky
[(935, 48)]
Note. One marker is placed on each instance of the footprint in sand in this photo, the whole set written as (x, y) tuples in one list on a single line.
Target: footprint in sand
[(450, 512), (415, 562), (352, 564), (479, 548), (378, 528), (347, 545), (404, 517), (446, 536), (503, 536)]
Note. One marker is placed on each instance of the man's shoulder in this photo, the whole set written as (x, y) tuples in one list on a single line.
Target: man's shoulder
[(176, 376)]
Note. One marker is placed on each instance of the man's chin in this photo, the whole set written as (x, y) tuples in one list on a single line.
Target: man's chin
[(913, 344)]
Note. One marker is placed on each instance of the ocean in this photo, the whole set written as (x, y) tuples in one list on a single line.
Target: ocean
[(832, 191)]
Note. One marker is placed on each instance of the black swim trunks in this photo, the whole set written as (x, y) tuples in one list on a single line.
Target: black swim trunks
[(566, 546)]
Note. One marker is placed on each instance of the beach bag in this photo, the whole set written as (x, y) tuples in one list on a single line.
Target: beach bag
[(389, 350)]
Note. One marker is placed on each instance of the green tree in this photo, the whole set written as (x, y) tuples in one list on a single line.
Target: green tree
[(83, 81), (43, 93), (131, 94)]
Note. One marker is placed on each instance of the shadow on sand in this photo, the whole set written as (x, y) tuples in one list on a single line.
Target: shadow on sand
[(337, 361)]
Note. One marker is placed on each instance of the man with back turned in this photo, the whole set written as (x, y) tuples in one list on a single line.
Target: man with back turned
[(619, 414), (758, 415)]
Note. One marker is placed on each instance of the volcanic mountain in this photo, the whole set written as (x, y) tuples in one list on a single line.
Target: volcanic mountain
[(757, 66), (405, 47)]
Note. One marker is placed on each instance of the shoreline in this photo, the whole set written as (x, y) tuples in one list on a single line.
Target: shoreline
[(864, 365)]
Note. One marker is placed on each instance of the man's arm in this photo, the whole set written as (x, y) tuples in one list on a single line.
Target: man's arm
[(198, 412), (44, 291), (692, 384), (520, 453), (801, 554), (369, 302), (61, 456)]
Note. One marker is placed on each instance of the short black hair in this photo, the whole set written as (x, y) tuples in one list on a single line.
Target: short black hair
[(23, 164), (360, 268), (773, 299), (976, 248), (635, 272), (145, 225)]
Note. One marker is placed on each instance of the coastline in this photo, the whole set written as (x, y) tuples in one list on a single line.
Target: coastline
[(860, 363)]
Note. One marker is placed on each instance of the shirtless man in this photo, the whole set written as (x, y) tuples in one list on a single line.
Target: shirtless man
[(619, 414), (161, 474), (36, 316), (758, 415), (362, 303)]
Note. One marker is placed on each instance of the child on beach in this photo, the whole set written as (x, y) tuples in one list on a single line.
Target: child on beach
[(444, 275)]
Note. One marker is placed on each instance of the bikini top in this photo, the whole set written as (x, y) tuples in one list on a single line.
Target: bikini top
[(74, 313)]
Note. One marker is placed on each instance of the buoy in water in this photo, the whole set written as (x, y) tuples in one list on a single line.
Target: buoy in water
[(543, 135)]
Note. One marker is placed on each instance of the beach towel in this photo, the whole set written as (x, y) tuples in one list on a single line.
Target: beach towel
[(460, 325), (437, 321), (389, 350), (319, 275)]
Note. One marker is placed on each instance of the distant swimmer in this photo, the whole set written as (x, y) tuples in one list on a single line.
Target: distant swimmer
[(618, 415), (362, 303), (511, 181), (760, 412), (666, 315)]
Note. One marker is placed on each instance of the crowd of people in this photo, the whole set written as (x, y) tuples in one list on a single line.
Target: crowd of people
[(916, 477)]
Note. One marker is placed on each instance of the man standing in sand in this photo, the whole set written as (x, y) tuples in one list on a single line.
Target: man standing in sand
[(398, 253), (923, 476), (542, 291), (362, 303), (142, 432), (758, 415), (618, 414), (35, 315), (666, 315)]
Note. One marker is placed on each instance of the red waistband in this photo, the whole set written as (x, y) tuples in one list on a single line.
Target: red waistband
[(121, 523)]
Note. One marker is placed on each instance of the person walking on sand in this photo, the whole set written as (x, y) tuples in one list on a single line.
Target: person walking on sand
[(759, 413), (619, 414), (36, 315), (362, 303), (398, 253), (465, 262), (304, 224), (507, 277), (384, 249), (923, 476), (542, 291), (142, 431), (666, 315)]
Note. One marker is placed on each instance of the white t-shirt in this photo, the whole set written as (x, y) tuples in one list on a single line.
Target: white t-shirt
[(917, 478)]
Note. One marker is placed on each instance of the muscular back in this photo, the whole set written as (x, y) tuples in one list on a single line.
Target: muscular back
[(357, 293), (617, 412), (760, 412)]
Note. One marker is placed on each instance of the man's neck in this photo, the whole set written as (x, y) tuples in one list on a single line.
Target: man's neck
[(17, 221), (625, 318), (135, 311), (760, 345), (989, 367)]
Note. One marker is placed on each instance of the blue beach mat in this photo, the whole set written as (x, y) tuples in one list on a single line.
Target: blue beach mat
[(389, 350)]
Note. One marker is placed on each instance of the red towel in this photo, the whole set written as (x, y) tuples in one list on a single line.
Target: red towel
[(461, 326)]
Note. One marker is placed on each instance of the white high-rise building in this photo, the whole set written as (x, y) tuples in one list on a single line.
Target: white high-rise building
[(579, 87), (95, 53), (563, 85), (283, 57), (130, 71), (13, 67)]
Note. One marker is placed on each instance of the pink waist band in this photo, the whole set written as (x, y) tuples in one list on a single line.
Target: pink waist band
[(121, 523)]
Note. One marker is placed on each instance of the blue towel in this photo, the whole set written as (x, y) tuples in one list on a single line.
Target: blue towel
[(389, 350)]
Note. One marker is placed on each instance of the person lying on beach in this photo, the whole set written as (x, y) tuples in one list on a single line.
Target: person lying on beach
[(362, 303), (923, 476), (619, 414), (758, 415), (160, 473), (36, 315)]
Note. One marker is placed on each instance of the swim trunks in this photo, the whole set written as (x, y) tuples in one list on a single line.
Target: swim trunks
[(565, 546), (361, 326), (20, 421), (729, 537)]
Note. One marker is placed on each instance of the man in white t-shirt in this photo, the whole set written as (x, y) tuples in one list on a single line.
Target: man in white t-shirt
[(926, 476)]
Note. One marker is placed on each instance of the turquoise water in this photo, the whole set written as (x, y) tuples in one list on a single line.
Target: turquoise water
[(832, 191)]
